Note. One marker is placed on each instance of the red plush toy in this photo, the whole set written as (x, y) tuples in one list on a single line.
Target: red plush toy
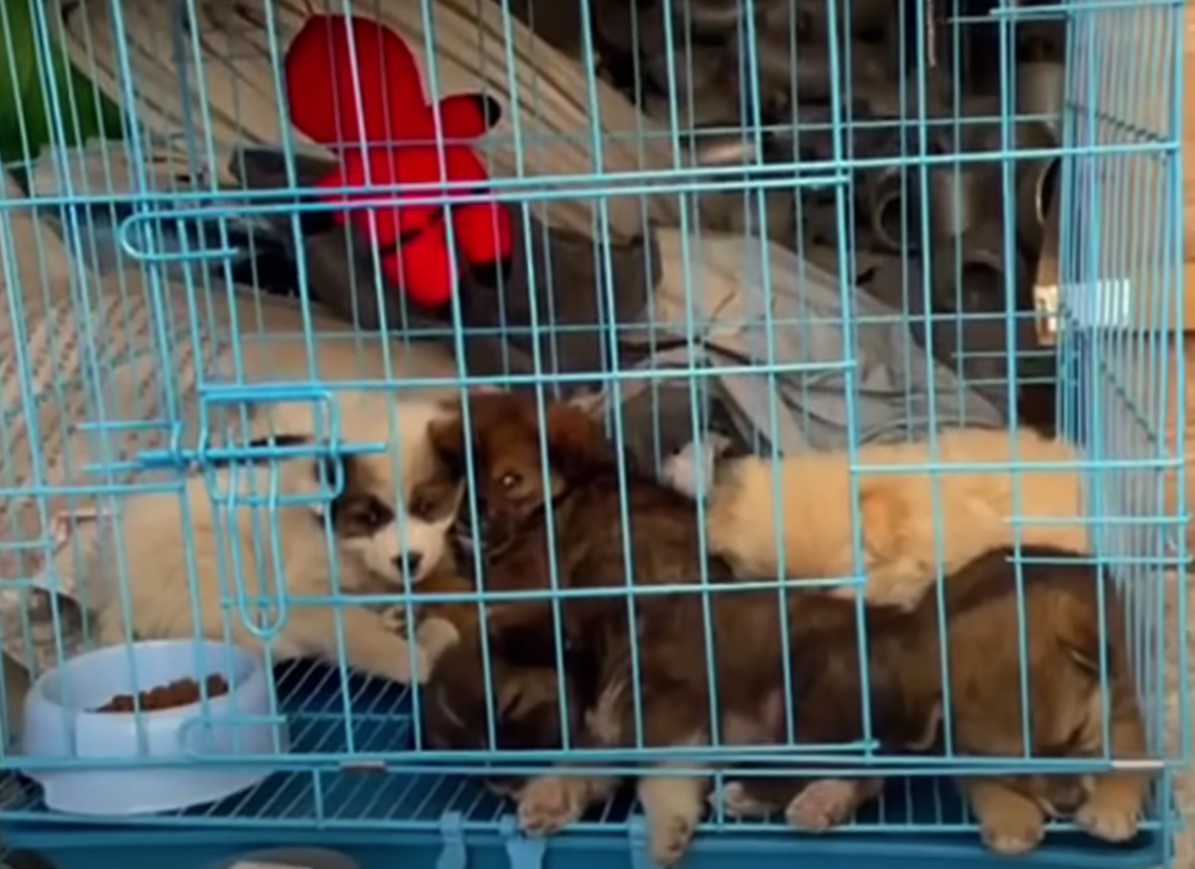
[(353, 86)]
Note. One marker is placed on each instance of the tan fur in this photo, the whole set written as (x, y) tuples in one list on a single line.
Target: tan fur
[(590, 543), (900, 538), (154, 532)]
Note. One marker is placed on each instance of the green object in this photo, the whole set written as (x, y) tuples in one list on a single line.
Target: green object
[(86, 112)]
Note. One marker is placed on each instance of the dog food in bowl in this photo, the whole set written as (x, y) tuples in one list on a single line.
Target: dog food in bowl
[(181, 692)]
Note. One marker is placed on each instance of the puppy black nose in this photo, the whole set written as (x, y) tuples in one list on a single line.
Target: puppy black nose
[(410, 562)]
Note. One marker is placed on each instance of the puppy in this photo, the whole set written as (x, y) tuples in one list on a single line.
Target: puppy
[(1063, 644), (582, 494), (902, 544), (524, 694), (428, 493), (409, 494), (362, 541)]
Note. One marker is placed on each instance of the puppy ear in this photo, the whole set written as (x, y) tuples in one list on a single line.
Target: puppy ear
[(447, 437), (325, 480), (576, 443), (1079, 636)]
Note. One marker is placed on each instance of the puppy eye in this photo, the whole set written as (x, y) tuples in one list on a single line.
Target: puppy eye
[(373, 514), (422, 508), (510, 480)]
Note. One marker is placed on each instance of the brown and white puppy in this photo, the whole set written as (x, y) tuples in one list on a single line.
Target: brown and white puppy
[(387, 527), (1063, 645), (910, 521), (582, 495)]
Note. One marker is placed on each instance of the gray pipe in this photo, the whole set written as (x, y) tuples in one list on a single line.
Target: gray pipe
[(1040, 91), (883, 207), (699, 71), (1037, 184), (960, 198), (977, 338), (968, 271), (708, 17), (721, 149), (868, 18)]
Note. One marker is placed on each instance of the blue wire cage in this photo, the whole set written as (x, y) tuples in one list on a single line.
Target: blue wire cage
[(794, 225)]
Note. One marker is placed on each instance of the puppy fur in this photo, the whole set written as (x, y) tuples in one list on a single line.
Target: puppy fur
[(906, 693), (379, 543), (902, 544), (583, 490), (904, 660), (525, 697), (1064, 642)]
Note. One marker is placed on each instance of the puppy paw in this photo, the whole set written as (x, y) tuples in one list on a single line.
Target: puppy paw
[(679, 471), (548, 805), (738, 802), (394, 618), (400, 668), (1014, 832), (670, 836), (1110, 815), (423, 672), (823, 804), (435, 636)]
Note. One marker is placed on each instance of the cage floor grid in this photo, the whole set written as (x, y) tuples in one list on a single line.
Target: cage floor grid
[(918, 819)]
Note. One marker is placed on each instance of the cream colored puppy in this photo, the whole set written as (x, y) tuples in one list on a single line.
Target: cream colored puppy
[(387, 526), (901, 542)]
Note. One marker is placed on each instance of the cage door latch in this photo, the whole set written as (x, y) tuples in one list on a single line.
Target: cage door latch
[(452, 830), (523, 852)]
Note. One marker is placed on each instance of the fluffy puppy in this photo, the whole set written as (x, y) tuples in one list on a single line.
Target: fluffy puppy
[(377, 544), (902, 544), (582, 495), (525, 697), (1063, 645), (426, 493), (408, 494)]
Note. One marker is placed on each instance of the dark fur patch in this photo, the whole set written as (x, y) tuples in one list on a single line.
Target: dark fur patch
[(436, 497), (356, 511)]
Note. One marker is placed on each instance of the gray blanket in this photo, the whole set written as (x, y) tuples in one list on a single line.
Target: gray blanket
[(709, 358)]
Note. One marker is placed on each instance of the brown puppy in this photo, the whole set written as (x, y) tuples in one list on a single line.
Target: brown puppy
[(525, 699), (582, 493), (1063, 646)]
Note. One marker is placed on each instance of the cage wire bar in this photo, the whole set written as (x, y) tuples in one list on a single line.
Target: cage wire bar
[(150, 321)]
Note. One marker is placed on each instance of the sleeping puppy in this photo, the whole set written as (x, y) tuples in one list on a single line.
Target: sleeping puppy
[(902, 545), (363, 540), (582, 493), (1063, 642), (525, 697)]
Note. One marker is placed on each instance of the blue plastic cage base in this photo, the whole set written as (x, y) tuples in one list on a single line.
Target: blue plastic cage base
[(452, 821)]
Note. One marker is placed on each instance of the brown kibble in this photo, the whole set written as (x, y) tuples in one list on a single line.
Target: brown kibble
[(182, 692)]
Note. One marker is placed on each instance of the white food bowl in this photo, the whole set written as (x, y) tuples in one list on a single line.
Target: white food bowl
[(62, 728)]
